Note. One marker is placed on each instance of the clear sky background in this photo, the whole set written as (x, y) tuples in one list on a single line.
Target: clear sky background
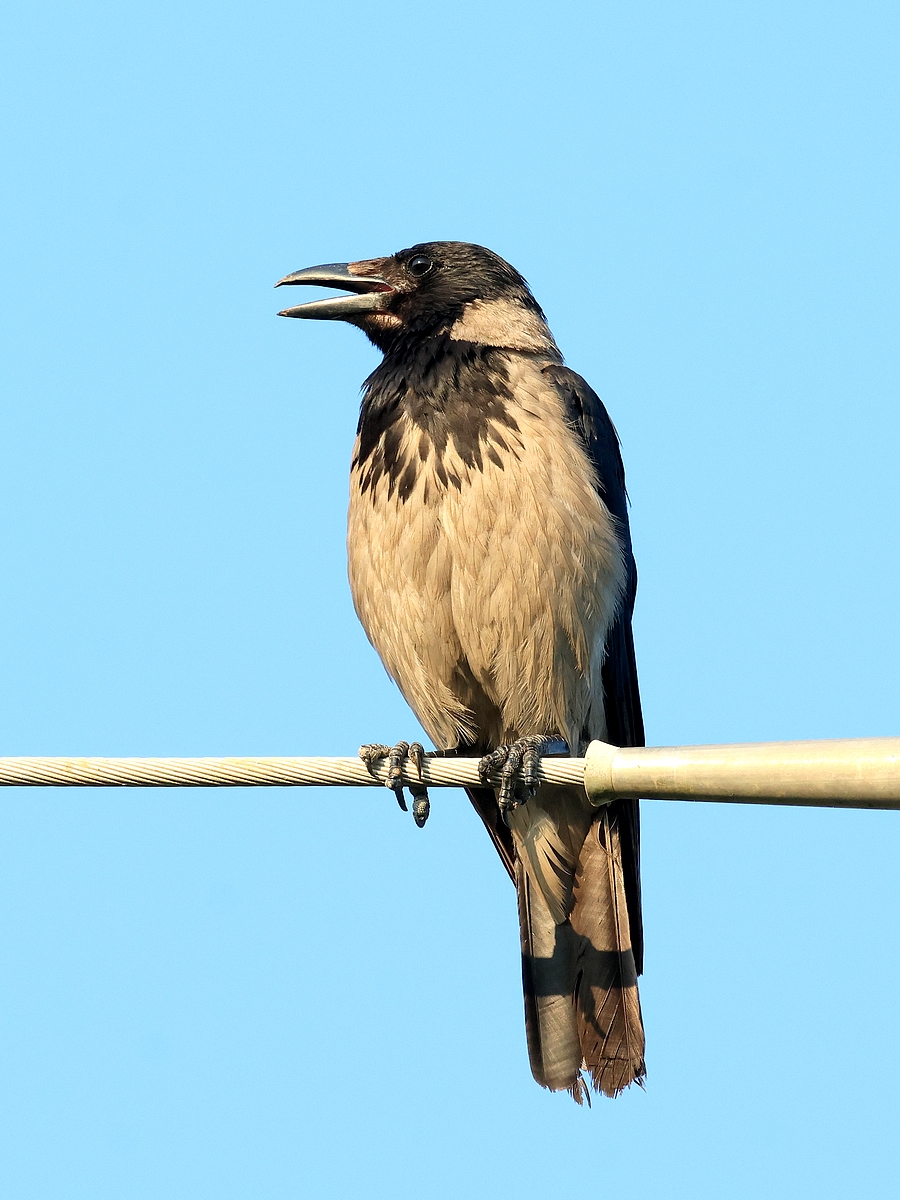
[(242, 994)]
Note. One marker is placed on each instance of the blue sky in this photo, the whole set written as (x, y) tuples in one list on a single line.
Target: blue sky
[(273, 993)]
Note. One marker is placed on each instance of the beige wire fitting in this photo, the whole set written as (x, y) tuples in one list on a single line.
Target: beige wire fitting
[(845, 773)]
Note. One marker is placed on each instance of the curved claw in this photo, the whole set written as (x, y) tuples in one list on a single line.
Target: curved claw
[(417, 756), (421, 804)]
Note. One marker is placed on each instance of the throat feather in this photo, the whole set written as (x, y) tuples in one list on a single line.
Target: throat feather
[(445, 412)]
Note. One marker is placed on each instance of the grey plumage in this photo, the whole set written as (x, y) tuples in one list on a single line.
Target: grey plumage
[(491, 566)]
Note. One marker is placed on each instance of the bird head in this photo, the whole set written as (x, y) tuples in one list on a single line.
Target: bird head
[(453, 289)]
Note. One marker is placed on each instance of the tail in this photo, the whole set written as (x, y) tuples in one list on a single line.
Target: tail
[(579, 972), (607, 1005)]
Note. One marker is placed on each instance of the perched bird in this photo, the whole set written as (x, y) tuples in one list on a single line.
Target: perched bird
[(491, 566)]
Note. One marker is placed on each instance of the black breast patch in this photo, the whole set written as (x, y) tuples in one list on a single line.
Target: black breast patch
[(455, 394)]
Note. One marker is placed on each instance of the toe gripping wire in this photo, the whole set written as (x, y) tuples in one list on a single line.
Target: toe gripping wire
[(396, 756)]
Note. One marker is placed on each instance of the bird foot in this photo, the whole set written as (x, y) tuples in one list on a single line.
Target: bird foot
[(396, 756), (523, 754)]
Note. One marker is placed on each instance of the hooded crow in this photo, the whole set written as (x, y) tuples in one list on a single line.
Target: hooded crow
[(491, 566)]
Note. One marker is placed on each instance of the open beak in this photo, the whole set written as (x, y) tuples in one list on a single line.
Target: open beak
[(370, 292)]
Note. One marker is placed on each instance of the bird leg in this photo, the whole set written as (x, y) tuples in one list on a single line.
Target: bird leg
[(523, 754), (396, 756)]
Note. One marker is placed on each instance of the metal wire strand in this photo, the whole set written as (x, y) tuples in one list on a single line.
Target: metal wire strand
[(254, 772)]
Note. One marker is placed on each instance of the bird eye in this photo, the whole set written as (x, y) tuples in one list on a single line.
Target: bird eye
[(419, 266)]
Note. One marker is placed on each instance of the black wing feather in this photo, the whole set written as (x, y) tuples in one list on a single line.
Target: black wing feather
[(589, 418)]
